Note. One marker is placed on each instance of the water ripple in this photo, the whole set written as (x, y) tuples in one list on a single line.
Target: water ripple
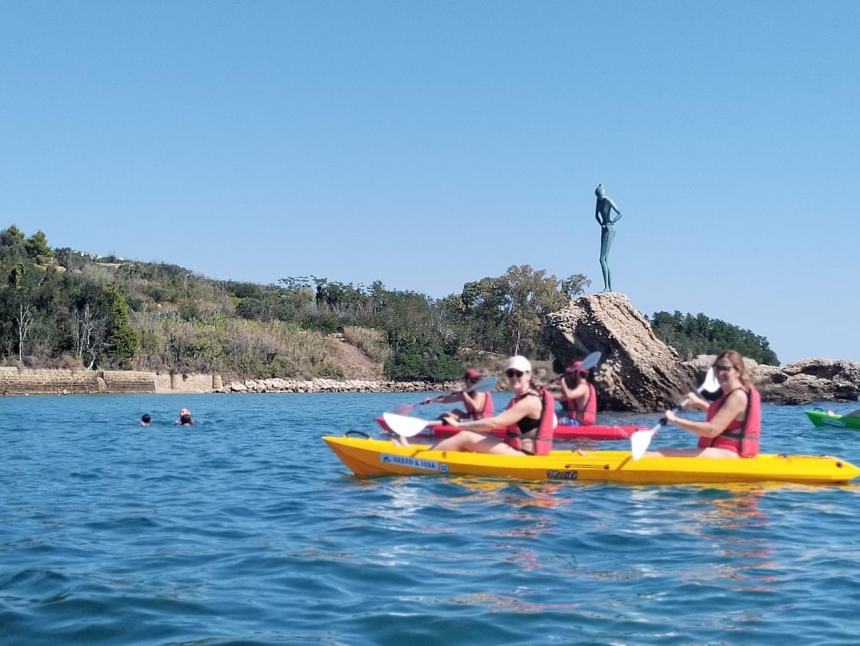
[(245, 529)]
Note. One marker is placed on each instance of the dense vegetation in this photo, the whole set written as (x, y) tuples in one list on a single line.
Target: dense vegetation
[(693, 335), (65, 308)]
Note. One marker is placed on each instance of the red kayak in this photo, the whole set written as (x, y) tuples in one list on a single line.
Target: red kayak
[(593, 432)]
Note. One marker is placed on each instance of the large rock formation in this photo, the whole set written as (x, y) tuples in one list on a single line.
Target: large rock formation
[(637, 371), (801, 382)]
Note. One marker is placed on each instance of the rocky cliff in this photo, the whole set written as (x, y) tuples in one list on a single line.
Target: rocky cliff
[(638, 372)]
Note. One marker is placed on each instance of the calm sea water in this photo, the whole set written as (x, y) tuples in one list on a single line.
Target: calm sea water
[(245, 529)]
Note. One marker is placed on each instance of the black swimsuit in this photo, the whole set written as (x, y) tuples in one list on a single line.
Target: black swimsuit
[(527, 424)]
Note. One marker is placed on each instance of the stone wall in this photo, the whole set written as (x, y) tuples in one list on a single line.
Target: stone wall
[(18, 382), (128, 381), (162, 383), (15, 381), (24, 381), (194, 383)]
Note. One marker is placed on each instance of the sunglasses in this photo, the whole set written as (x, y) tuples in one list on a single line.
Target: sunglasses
[(723, 368), (510, 374)]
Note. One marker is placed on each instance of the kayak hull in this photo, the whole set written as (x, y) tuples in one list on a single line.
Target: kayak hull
[(370, 458), (827, 418), (561, 433)]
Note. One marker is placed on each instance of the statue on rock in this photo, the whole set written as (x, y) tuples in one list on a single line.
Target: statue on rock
[(603, 214)]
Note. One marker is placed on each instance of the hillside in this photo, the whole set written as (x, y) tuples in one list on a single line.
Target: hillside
[(67, 308)]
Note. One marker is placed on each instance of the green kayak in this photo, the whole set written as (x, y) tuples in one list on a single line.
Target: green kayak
[(821, 417)]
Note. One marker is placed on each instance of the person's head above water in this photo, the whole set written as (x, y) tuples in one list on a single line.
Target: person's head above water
[(185, 417), (145, 419)]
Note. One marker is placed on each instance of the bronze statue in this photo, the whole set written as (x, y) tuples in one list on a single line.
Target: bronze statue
[(603, 215)]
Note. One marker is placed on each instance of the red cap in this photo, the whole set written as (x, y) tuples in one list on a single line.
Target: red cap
[(472, 374), (574, 368)]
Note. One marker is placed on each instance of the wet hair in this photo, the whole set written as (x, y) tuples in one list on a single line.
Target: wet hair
[(185, 420), (734, 357), (145, 418)]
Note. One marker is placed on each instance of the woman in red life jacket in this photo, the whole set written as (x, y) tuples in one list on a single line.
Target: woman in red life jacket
[(528, 419), (733, 424), (579, 397), (478, 405)]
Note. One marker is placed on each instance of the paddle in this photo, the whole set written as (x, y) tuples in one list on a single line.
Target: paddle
[(484, 385), (407, 426), (590, 361), (574, 341), (587, 364), (640, 440)]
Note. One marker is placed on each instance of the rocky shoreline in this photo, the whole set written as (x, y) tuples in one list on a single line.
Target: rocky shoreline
[(25, 381), (279, 385), (803, 382), (637, 371)]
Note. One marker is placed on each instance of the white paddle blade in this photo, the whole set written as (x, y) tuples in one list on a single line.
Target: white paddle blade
[(639, 442), (403, 425), (710, 384), (590, 361), (574, 341)]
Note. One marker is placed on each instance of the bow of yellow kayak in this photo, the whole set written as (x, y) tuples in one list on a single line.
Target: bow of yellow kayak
[(368, 457)]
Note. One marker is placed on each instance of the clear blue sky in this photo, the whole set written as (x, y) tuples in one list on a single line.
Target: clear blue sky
[(427, 144)]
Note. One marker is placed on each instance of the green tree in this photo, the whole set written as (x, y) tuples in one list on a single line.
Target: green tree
[(506, 314), (693, 335), (11, 235), (575, 285), (532, 295), (123, 341), (22, 283), (37, 245)]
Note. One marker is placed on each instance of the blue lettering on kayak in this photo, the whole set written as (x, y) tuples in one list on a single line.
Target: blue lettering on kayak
[(414, 463), (553, 474)]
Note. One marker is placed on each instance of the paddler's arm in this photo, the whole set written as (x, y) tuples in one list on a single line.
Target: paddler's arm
[(734, 405), (472, 401), (523, 408), (566, 391), (695, 401), (573, 393)]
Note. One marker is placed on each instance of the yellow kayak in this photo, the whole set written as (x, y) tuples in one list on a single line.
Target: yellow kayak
[(367, 457)]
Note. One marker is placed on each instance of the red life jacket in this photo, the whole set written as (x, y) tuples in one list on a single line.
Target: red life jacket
[(741, 437), (486, 411), (542, 435), (588, 415)]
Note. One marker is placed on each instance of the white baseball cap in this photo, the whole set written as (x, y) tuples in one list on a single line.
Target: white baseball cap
[(518, 362)]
